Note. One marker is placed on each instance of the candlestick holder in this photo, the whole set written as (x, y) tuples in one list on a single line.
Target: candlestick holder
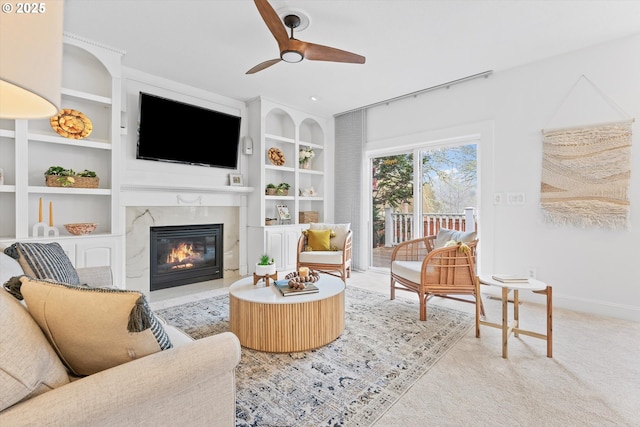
[(47, 230)]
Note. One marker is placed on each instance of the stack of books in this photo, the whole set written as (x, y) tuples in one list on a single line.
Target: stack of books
[(286, 291), (510, 278)]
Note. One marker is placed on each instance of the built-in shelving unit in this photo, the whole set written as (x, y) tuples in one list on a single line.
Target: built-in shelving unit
[(274, 126), (91, 84)]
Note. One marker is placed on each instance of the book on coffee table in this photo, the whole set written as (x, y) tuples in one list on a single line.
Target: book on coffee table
[(510, 278), (286, 291)]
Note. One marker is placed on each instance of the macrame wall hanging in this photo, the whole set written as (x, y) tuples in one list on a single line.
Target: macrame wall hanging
[(586, 171)]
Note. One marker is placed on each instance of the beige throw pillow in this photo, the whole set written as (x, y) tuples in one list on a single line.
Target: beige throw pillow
[(444, 235), (28, 364), (93, 329), (340, 233)]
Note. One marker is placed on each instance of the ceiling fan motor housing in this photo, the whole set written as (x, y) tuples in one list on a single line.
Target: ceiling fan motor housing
[(292, 21)]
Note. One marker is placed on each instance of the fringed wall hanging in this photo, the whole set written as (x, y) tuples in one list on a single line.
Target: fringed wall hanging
[(586, 173)]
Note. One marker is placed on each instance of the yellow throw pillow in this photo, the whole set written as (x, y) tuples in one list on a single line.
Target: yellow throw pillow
[(93, 329), (319, 240)]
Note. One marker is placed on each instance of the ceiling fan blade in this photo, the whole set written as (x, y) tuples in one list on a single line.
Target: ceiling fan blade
[(261, 66), (274, 23), (318, 52)]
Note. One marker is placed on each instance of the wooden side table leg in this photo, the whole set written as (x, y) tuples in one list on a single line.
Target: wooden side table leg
[(505, 322), (516, 313), (273, 276), (549, 322)]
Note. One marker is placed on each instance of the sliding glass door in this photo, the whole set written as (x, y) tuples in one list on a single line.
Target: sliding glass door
[(417, 192)]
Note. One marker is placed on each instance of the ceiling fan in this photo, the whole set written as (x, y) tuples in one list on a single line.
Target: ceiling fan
[(294, 50)]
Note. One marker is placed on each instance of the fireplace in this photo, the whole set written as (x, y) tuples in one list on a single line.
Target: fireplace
[(184, 254)]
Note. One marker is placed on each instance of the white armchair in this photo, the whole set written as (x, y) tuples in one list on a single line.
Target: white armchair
[(326, 248)]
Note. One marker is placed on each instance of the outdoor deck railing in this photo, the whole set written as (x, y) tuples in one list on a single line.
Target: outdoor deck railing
[(399, 227)]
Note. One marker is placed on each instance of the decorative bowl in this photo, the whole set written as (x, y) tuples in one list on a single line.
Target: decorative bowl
[(81, 228)]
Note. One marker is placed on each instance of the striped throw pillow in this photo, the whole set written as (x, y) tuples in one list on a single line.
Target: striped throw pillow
[(44, 261)]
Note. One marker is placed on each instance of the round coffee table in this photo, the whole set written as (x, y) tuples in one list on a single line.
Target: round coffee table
[(265, 320)]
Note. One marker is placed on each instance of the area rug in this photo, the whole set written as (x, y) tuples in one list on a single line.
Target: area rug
[(352, 381)]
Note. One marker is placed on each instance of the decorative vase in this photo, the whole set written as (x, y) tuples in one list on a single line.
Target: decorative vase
[(264, 270), (282, 192), (306, 165), (270, 191)]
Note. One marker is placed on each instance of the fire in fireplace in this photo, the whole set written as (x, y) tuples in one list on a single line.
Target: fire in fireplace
[(185, 254)]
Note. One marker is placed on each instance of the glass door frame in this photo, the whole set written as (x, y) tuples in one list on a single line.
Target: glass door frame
[(415, 149)]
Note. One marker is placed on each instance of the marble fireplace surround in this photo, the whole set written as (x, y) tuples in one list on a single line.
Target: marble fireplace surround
[(147, 206)]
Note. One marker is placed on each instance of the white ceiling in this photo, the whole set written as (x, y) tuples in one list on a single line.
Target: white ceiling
[(409, 44)]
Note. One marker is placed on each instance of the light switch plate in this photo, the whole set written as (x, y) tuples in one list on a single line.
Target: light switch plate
[(515, 199)]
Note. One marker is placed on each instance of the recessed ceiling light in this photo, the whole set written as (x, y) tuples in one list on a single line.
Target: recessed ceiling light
[(314, 98)]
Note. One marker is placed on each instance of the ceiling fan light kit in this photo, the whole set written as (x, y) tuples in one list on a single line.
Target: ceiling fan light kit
[(291, 56), (293, 50)]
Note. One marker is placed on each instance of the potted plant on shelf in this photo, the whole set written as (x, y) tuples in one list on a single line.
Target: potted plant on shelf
[(266, 266), (57, 176), (283, 189), (306, 154), (270, 189)]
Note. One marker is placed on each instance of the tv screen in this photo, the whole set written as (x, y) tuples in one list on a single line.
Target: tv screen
[(172, 131)]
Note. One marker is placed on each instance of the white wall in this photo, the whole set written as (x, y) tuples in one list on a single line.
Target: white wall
[(591, 270), (146, 172), (165, 188)]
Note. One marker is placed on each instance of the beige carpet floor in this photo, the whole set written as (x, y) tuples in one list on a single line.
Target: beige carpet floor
[(592, 380)]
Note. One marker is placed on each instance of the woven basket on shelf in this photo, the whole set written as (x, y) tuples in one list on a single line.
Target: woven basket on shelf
[(78, 181), (305, 217)]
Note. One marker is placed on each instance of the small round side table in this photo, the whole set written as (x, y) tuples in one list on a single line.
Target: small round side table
[(535, 286)]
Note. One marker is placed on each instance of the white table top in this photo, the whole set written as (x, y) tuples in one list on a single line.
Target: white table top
[(530, 285), (244, 289)]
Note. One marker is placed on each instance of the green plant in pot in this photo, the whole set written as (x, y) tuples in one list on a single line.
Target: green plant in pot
[(66, 177), (283, 189), (270, 189), (266, 266)]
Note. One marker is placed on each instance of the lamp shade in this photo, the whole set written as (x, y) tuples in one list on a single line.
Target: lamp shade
[(30, 60)]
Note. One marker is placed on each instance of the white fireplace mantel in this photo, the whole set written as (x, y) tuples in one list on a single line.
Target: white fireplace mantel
[(154, 195)]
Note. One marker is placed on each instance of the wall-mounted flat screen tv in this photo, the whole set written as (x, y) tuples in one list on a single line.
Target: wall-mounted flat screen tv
[(172, 131)]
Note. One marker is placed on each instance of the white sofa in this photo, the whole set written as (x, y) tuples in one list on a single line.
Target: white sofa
[(192, 383)]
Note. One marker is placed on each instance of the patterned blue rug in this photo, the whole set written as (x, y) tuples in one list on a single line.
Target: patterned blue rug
[(352, 381)]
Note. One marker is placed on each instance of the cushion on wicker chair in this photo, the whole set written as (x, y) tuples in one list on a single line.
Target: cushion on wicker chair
[(340, 231), (444, 235), (321, 257), (409, 270)]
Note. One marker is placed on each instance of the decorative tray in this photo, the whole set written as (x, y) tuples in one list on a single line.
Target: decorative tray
[(276, 156), (71, 124)]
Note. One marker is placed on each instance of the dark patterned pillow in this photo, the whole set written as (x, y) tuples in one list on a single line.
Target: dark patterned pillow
[(93, 329), (44, 261)]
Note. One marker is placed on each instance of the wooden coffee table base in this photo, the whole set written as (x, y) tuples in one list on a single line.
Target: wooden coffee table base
[(284, 328)]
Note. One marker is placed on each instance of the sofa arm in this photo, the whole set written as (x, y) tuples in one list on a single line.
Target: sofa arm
[(96, 277), (189, 385)]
